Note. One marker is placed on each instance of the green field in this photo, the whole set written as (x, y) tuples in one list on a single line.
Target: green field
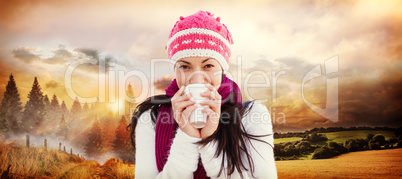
[(306, 157), (287, 139), (341, 137)]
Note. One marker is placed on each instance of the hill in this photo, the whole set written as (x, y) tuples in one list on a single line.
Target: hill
[(342, 136), (363, 164), (37, 163)]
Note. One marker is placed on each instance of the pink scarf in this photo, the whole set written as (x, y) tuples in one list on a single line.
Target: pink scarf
[(166, 126)]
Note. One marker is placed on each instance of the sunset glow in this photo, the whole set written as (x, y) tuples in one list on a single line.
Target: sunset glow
[(46, 38)]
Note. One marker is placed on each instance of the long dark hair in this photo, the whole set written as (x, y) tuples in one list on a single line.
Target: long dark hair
[(230, 134)]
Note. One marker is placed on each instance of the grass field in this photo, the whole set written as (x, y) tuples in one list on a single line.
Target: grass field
[(364, 164), (37, 163), (306, 157), (340, 137), (287, 139)]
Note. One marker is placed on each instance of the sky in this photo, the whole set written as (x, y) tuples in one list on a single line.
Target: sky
[(281, 44)]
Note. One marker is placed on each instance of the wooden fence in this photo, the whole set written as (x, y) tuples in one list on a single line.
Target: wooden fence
[(45, 147)]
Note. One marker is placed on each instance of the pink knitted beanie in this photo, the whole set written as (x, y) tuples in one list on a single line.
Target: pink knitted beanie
[(202, 35)]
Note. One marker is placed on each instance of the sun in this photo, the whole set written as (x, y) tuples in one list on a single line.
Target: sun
[(115, 106)]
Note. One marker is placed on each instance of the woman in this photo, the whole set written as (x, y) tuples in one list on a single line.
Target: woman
[(237, 140)]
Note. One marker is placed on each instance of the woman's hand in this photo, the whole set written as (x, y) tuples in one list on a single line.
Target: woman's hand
[(182, 108), (213, 111)]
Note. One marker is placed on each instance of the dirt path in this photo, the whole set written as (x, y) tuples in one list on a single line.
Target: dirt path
[(364, 164)]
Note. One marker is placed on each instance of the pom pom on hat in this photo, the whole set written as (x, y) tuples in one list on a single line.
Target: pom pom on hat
[(200, 34)]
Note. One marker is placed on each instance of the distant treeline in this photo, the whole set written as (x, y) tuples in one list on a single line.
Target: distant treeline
[(398, 131), (310, 144), (92, 127)]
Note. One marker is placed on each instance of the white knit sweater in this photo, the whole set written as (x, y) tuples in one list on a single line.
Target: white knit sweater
[(184, 154)]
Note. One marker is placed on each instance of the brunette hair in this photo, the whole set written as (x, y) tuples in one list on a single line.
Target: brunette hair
[(230, 134)]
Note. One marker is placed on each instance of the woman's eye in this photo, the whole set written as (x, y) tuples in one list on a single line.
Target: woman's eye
[(209, 66), (184, 67)]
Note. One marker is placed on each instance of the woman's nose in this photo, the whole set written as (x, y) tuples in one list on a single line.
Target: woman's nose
[(199, 77)]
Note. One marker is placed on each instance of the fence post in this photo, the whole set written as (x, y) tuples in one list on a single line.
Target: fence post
[(45, 144), (71, 151), (27, 143), (60, 147), (64, 148)]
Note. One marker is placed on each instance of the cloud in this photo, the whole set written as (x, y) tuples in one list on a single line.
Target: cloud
[(374, 103), (285, 36), (367, 97), (393, 39), (63, 56), (88, 52), (60, 56), (11, 10), (62, 52), (54, 60), (52, 84), (26, 54), (362, 102), (98, 58), (163, 82)]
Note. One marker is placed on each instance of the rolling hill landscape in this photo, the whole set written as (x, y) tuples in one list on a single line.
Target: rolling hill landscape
[(379, 163), (21, 162)]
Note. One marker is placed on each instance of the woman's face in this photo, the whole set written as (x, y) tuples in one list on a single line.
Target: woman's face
[(191, 70)]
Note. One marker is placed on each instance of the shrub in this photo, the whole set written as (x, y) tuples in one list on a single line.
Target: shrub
[(374, 145), (362, 143), (304, 147), (393, 140), (369, 137), (399, 144), (338, 147), (294, 157), (387, 146), (380, 139), (355, 144), (315, 137), (334, 145), (291, 150), (323, 152), (351, 145)]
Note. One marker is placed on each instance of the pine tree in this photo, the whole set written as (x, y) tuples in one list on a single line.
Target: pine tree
[(122, 144), (85, 109), (10, 108), (129, 91), (54, 109), (63, 108), (62, 132), (34, 109), (76, 108), (129, 104), (46, 101), (48, 112), (54, 103), (92, 108), (3, 128), (94, 146)]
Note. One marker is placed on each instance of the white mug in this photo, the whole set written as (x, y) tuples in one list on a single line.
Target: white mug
[(198, 119)]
